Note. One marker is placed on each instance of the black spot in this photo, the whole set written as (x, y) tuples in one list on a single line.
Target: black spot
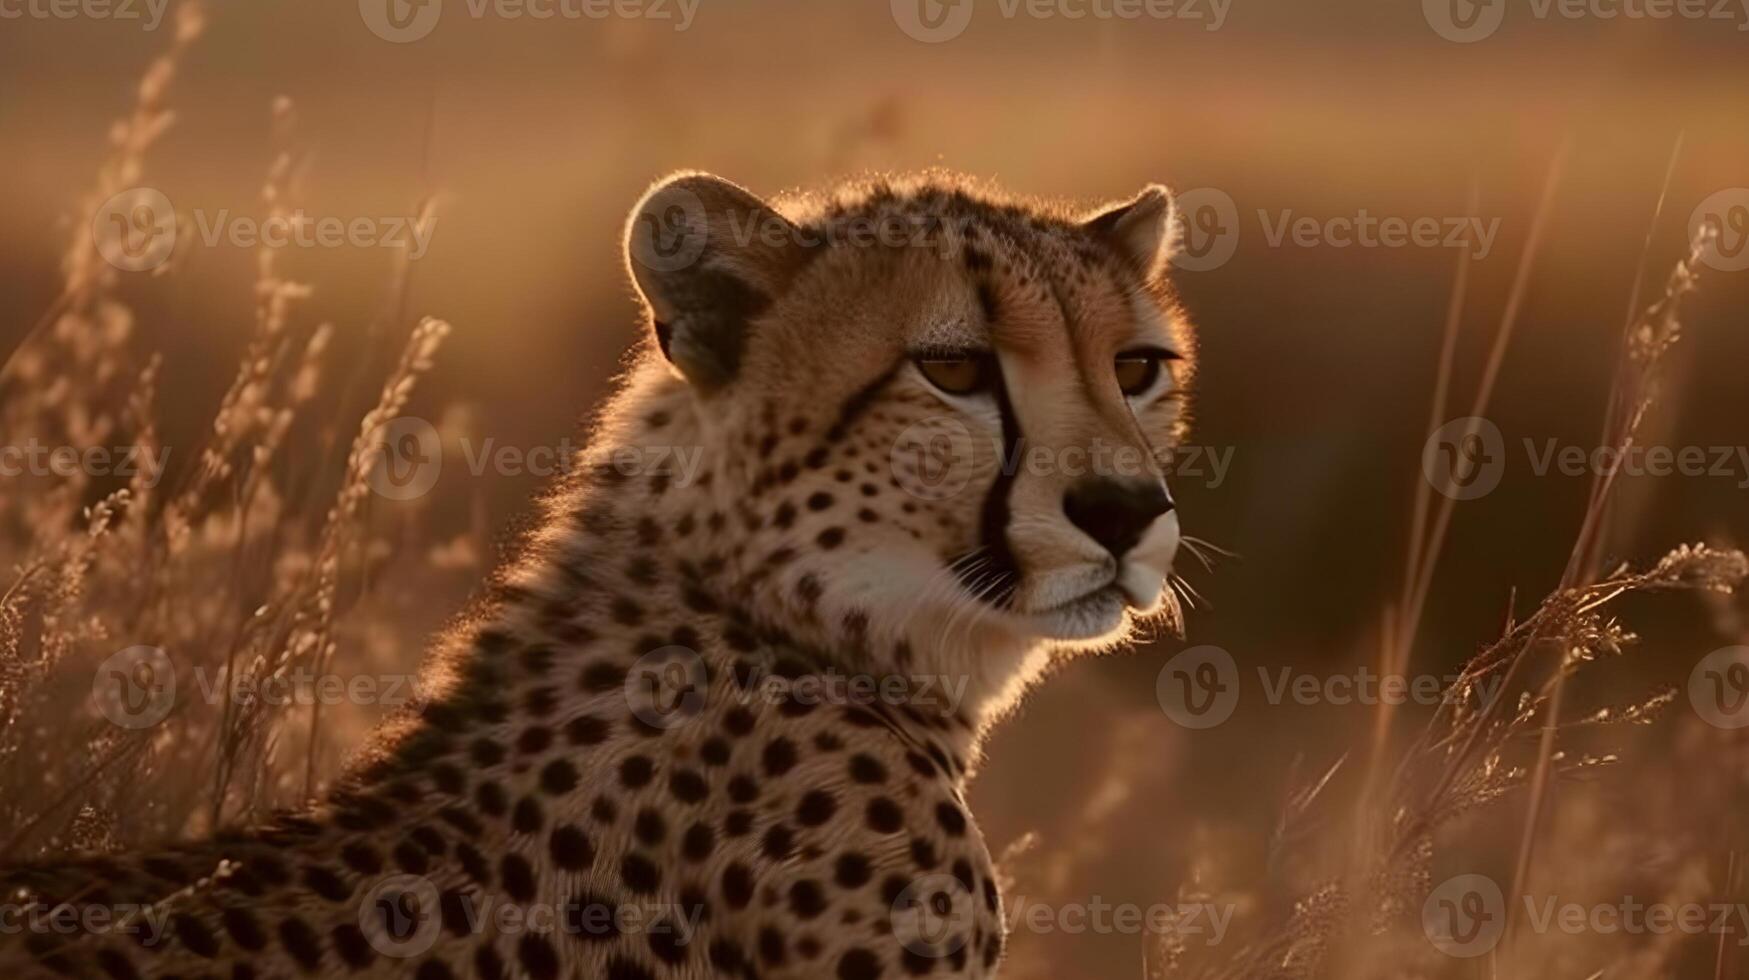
[(641, 876), (602, 677), (518, 877), (626, 612), (195, 936), (327, 884), (591, 918), (534, 739), (666, 942), (301, 944), (434, 970), (778, 843), (737, 885), (727, 957), (486, 752), (411, 859), (714, 752), (923, 854), (527, 819), (241, 926), (586, 730), (807, 899), (859, 964), (538, 958), (620, 968), (738, 721), (866, 769), (636, 772), (738, 823), (649, 827), (603, 810), (780, 756), (491, 799), (830, 538), (852, 870), (449, 779), (951, 818), (487, 963), (474, 864), (820, 500), (698, 843), (884, 816), (571, 848), (816, 808), (354, 949), (688, 786), (559, 777), (456, 912), (771, 947)]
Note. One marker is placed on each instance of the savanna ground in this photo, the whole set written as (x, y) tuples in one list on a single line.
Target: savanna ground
[(1590, 150)]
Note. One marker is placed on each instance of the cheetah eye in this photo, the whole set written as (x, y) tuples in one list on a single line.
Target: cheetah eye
[(1138, 370), (956, 374)]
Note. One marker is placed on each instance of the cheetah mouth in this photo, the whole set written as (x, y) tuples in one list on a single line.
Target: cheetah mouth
[(1088, 616)]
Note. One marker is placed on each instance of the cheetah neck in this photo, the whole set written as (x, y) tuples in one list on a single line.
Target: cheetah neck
[(659, 542)]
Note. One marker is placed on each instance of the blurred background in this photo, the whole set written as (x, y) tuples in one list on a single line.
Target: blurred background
[(531, 137)]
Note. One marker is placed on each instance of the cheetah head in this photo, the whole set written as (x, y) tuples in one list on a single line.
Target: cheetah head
[(933, 409)]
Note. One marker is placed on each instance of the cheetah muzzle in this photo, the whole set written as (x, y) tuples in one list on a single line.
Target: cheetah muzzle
[(893, 449)]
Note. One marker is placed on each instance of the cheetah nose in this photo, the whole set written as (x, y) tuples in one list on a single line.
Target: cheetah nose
[(1116, 513)]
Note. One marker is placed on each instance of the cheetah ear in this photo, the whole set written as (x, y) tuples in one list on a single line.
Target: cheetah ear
[(1144, 231), (708, 257)]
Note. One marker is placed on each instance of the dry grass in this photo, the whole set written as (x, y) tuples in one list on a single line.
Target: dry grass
[(238, 572)]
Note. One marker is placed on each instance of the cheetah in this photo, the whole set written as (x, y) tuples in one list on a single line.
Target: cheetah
[(888, 452)]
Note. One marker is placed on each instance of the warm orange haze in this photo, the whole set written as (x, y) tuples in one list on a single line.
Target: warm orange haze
[(1322, 565)]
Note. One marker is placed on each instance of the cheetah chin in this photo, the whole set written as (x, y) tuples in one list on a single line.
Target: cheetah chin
[(911, 433)]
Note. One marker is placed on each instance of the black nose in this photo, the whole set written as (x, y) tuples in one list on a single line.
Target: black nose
[(1116, 513)]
